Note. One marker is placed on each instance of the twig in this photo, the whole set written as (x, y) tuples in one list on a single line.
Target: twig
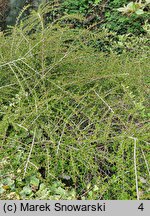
[(22, 126), (28, 160), (58, 146), (104, 102), (11, 62), (145, 161), (7, 85), (135, 169), (33, 165), (17, 77)]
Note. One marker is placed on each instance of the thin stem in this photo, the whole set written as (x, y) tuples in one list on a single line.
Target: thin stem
[(104, 102), (135, 167), (28, 159)]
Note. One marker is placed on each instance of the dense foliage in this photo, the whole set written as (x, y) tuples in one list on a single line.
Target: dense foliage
[(105, 13), (100, 13), (74, 117)]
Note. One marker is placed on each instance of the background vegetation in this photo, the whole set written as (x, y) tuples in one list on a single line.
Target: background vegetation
[(74, 95)]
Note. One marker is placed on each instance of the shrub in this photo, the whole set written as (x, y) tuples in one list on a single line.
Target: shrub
[(106, 14), (74, 117)]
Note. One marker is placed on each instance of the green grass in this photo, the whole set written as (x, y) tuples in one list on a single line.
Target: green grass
[(73, 120)]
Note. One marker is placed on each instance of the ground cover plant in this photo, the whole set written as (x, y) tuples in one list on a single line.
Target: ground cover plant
[(105, 13), (74, 118)]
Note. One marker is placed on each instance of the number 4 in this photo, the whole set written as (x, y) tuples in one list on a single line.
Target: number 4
[(141, 207)]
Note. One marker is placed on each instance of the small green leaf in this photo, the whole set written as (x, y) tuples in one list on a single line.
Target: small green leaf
[(8, 181), (34, 181), (88, 186), (60, 191), (42, 186), (97, 1), (90, 193), (26, 190), (1, 189), (130, 5), (122, 9), (95, 188), (147, 1), (139, 12)]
